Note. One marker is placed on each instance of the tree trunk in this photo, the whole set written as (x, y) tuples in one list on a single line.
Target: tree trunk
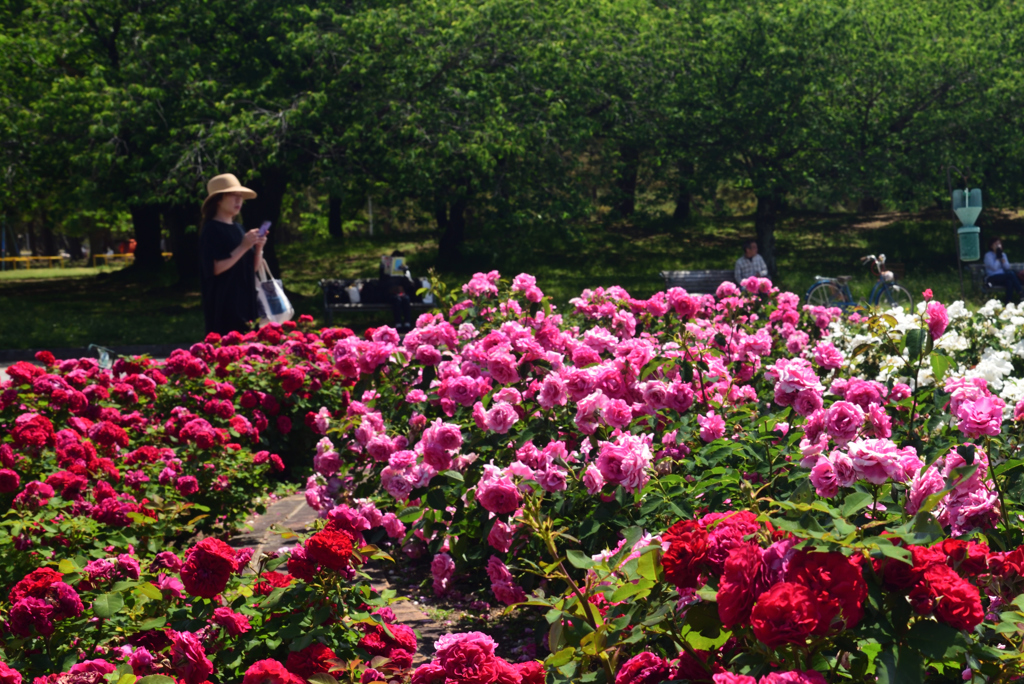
[(334, 218), (684, 193), (182, 221), (75, 248), (769, 205), (49, 241), (625, 203), (146, 223), (270, 188), (451, 220)]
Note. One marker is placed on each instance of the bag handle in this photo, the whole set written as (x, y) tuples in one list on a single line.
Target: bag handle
[(263, 273)]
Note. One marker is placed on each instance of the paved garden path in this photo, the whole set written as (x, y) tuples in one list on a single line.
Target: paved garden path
[(293, 514)]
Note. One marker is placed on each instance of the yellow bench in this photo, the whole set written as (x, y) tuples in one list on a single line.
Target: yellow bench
[(28, 261)]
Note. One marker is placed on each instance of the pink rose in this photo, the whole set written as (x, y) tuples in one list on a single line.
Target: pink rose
[(807, 402), (498, 495), (500, 536), (843, 420), (552, 392), (823, 477), (500, 418), (442, 567), (876, 460), (938, 319), (827, 356), (729, 678), (617, 414), (625, 462), (593, 480), (712, 426), (982, 417)]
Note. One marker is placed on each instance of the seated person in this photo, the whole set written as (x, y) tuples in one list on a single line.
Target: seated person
[(750, 264), (395, 287), (998, 272)]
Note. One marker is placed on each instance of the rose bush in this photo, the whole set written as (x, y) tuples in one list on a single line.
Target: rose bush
[(721, 482)]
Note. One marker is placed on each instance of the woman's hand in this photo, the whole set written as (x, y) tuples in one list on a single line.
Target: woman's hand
[(251, 238), (260, 242)]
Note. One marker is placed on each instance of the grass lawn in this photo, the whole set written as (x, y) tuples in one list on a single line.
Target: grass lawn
[(78, 306)]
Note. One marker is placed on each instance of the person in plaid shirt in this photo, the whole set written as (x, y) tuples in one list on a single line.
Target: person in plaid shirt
[(750, 264)]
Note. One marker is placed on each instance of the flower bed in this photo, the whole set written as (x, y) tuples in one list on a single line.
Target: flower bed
[(726, 488), (730, 488), (106, 472)]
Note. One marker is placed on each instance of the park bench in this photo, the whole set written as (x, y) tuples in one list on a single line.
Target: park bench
[(981, 284), (702, 282), (336, 300)]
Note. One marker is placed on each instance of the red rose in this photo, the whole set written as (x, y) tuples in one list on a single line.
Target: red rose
[(35, 584), (188, 658), (744, 579), (429, 673), (270, 581), (687, 551), (284, 424), (269, 672), (785, 614), (967, 558), (645, 668), (531, 672), (32, 432), (836, 576), (291, 379), (9, 481), (726, 531), (207, 568), (953, 599), (398, 646), (331, 547), (300, 566), (9, 675), (314, 659)]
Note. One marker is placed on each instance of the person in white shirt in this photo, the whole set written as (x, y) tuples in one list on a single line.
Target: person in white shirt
[(998, 271), (750, 264)]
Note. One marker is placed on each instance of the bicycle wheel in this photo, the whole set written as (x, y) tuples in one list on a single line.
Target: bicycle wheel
[(896, 296), (823, 293)]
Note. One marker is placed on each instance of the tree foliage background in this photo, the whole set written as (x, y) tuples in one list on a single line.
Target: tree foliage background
[(504, 120)]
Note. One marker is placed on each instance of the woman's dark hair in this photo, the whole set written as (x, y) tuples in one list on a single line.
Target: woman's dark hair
[(748, 242), (210, 208), (993, 240)]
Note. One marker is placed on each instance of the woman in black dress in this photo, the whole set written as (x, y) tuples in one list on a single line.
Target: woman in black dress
[(229, 258)]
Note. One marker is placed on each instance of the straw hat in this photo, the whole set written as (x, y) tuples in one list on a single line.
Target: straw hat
[(226, 182)]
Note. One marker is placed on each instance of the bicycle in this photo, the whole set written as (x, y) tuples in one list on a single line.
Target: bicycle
[(836, 291)]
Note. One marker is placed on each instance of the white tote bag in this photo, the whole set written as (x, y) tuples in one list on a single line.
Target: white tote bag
[(273, 303)]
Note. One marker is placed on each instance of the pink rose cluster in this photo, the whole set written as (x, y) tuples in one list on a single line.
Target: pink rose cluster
[(470, 658)]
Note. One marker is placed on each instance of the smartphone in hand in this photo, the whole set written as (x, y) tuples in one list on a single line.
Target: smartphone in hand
[(264, 228)]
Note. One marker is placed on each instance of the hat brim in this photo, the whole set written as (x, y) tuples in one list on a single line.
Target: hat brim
[(245, 192)]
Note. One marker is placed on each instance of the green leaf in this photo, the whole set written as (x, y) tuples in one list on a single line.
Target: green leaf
[(153, 623), (559, 659), (854, 502), (630, 589), (579, 559), (915, 341), (940, 364), (936, 641), (321, 678), (107, 605), (67, 566), (272, 599), (156, 679), (648, 565), (149, 590), (127, 679)]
